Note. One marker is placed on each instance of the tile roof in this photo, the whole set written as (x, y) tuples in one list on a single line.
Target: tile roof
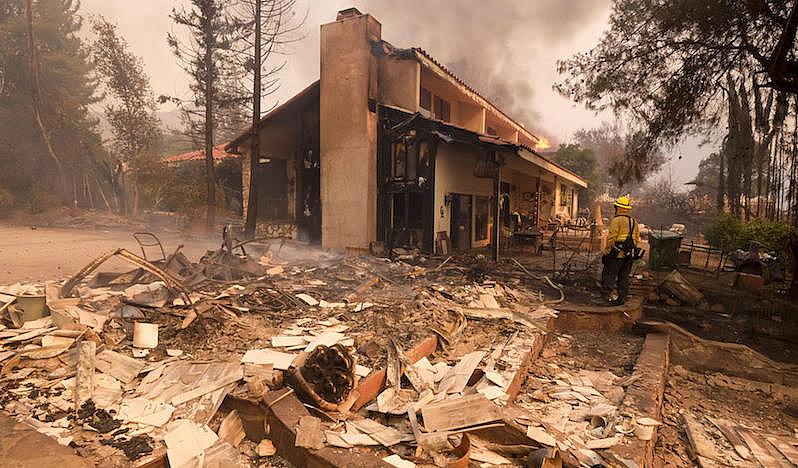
[(199, 155), (456, 78)]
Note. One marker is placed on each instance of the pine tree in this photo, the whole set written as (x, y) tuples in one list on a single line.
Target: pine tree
[(207, 58), (64, 93)]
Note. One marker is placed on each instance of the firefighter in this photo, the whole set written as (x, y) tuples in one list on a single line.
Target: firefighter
[(620, 252)]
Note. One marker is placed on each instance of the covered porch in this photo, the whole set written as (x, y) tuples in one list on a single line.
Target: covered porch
[(442, 188)]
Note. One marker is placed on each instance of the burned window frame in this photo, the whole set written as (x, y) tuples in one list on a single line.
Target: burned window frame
[(398, 127), (410, 159)]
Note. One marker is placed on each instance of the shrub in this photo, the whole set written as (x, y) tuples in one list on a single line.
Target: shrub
[(727, 232), (6, 200), (724, 232), (774, 235)]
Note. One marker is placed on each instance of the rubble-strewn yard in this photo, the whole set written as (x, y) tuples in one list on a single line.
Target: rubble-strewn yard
[(267, 354)]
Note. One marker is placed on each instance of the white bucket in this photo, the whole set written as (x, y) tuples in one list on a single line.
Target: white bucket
[(145, 335), (644, 432)]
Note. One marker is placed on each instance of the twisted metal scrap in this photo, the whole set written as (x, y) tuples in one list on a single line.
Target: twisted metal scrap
[(329, 370), (175, 286)]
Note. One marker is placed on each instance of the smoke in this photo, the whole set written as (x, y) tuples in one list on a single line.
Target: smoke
[(499, 47)]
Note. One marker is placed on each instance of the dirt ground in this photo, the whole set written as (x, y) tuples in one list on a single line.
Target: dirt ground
[(53, 253), (593, 351)]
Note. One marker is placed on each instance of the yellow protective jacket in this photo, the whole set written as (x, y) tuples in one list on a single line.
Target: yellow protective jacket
[(619, 231)]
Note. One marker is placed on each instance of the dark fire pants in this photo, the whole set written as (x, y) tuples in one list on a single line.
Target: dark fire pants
[(616, 270)]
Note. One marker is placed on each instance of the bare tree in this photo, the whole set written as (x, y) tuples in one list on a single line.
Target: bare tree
[(272, 25)]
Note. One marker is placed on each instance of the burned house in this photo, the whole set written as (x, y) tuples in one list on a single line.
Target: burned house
[(390, 146)]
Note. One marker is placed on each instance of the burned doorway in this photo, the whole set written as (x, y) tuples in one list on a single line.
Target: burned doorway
[(461, 222), (406, 195), (308, 202), (272, 187)]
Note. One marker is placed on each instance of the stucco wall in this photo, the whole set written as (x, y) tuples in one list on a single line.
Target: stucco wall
[(277, 141), (454, 173), (398, 83), (348, 133), (471, 116)]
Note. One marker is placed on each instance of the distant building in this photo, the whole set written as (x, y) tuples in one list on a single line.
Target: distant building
[(219, 154), (389, 145), (190, 166)]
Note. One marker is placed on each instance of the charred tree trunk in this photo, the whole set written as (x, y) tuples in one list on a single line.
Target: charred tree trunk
[(254, 157), (210, 178), (769, 186), (721, 183), (731, 150), (746, 145)]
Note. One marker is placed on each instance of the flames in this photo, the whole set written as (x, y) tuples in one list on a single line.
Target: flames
[(542, 144)]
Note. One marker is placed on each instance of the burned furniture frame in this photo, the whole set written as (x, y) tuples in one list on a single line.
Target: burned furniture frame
[(402, 133)]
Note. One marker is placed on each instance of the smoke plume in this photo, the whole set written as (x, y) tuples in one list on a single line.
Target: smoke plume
[(494, 45)]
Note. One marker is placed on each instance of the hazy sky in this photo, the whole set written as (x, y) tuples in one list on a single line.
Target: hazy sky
[(507, 49)]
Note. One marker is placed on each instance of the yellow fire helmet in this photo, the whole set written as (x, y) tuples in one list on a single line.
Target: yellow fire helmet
[(624, 202)]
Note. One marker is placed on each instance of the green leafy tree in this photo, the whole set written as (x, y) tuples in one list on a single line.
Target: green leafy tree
[(663, 64), (583, 162), (130, 110)]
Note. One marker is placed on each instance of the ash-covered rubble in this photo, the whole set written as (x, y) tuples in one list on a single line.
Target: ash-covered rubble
[(411, 360)]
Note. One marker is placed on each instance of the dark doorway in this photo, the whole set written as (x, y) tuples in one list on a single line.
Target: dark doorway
[(272, 189), (505, 204), (308, 209), (407, 221), (461, 222)]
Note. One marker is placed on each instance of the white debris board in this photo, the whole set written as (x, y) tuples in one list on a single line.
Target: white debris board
[(458, 413)]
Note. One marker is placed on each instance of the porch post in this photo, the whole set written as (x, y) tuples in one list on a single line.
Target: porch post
[(495, 208)]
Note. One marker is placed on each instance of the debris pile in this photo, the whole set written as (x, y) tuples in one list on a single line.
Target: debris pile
[(675, 290), (410, 363), (730, 424)]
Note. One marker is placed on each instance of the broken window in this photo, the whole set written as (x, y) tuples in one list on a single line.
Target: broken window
[(425, 100), (410, 159), (442, 109), (423, 157), (482, 218), (398, 160)]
